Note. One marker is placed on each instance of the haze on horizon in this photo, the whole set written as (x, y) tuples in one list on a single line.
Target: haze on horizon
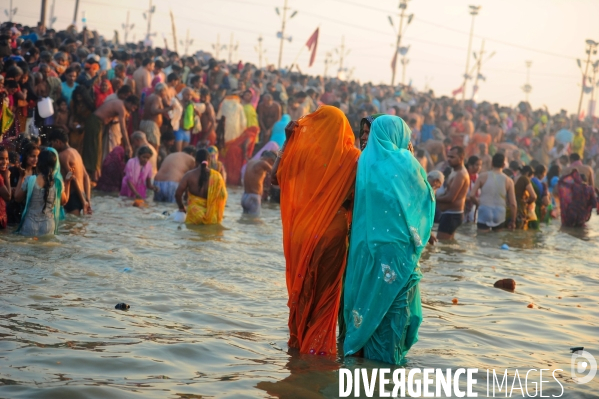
[(550, 33)]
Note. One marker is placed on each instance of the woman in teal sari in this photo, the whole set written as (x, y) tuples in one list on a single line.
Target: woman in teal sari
[(278, 130), (392, 219)]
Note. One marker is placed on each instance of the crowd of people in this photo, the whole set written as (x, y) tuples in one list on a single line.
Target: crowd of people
[(80, 114)]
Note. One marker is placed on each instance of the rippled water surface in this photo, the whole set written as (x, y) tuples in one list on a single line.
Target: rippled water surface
[(208, 313)]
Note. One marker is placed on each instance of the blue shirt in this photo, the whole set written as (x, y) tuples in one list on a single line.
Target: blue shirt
[(67, 92), (426, 133)]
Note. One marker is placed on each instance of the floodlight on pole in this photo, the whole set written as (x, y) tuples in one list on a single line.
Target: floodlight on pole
[(474, 10), (10, 12), (403, 5), (281, 34), (591, 50)]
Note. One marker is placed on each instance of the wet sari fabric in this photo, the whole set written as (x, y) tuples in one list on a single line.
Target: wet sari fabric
[(233, 156), (577, 200), (316, 174), (208, 210), (393, 212)]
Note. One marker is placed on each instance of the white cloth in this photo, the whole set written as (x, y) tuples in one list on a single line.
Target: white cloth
[(175, 113), (235, 120)]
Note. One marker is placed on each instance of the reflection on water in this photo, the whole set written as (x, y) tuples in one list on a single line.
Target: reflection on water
[(208, 313)]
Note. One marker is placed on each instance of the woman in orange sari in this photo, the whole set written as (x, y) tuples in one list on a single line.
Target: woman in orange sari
[(474, 144), (237, 152), (316, 173)]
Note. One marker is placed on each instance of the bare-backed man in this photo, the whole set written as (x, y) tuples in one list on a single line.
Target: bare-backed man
[(256, 172), (452, 196), (171, 171), (70, 160)]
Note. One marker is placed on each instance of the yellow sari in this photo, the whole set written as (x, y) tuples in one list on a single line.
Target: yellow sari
[(208, 210), (578, 143)]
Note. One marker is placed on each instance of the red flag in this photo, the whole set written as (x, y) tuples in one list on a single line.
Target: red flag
[(312, 43), (457, 91)]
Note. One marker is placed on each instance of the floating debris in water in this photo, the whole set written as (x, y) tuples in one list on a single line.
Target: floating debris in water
[(507, 284), (127, 269), (122, 306), (505, 247), (454, 301)]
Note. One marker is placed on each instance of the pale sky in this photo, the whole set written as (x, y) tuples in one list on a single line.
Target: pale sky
[(437, 36)]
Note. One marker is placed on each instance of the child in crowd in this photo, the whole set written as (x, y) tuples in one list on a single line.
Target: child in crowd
[(23, 169), (61, 115), (44, 192), (138, 175), (183, 136)]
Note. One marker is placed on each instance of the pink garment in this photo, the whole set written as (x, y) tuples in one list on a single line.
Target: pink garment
[(270, 146), (255, 97), (149, 90), (137, 175)]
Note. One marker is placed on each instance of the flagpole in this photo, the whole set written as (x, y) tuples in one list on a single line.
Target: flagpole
[(296, 58), (300, 53)]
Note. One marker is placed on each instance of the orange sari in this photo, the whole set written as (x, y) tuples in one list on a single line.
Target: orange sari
[(475, 141), (316, 174), (233, 157)]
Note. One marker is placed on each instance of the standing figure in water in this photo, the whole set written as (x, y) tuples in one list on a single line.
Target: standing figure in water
[(45, 192), (394, 211), (452, 199), (258, 170), (316, 173), (206, 192)]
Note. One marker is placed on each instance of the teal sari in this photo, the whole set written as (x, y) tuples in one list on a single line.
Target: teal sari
[(278, 130), (58, 211), (392, 220)]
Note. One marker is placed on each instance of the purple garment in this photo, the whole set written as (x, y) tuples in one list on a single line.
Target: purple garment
[(137, 175), (113, 170), (270, 146)]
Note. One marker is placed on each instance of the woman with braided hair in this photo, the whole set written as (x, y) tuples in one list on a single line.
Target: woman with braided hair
[(45, 192), (206, 192)]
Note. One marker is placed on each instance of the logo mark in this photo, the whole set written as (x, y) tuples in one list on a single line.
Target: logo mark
[(581, 363)]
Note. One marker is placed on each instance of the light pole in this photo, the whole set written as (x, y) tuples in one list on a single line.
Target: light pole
[(594, 83), (281, 34), (327, 62), (148, 16), (474, 12), (188, 42), (218, 47), (174, 30), (342, 54), (403, 51), (403, 4), (76, 11), (527, 88), (52, 17), (43, 15), (127, 27), (591, 49), (232, 48), (10, 12), (260, 51)]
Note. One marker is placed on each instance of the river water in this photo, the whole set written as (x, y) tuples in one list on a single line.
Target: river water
[(208, 313)]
